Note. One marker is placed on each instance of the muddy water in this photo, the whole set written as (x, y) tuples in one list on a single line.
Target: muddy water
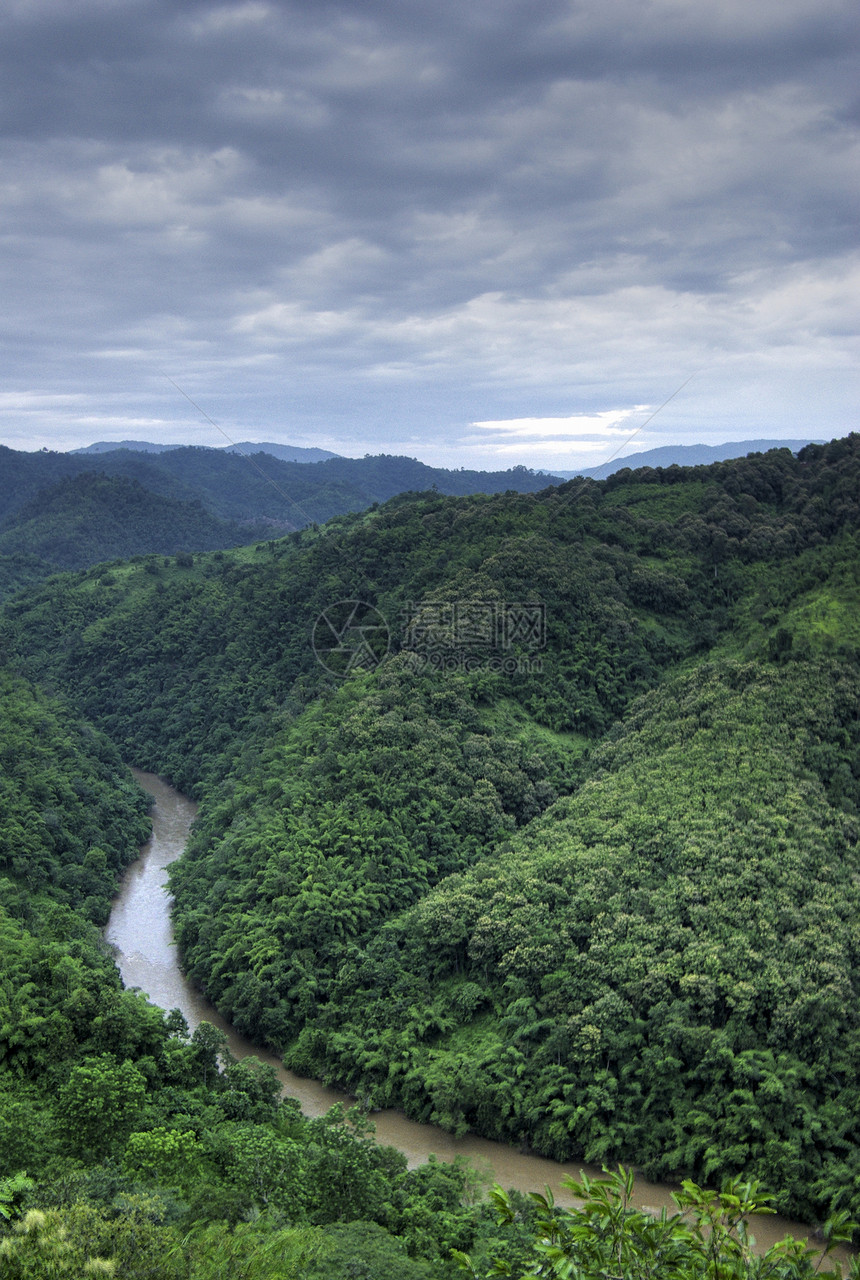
[(140, 930)]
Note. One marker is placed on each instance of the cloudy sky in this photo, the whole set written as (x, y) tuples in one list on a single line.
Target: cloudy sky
[(481, 234)]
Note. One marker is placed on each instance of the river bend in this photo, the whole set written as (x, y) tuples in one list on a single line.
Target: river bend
[(141, 933)]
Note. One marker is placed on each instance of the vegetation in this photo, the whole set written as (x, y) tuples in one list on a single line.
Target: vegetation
[(149, 1151), (661, 967), (70, 511), (90, 518), (70, 818), (569, 858), (708, 1236)]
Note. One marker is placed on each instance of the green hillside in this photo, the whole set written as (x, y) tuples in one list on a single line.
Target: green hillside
[(661, 968), (91, 518), (233, 486), (73, 510), (129, 1148), (124, 1150), (559, 842)]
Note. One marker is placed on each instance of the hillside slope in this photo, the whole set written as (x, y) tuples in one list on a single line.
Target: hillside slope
[(92, 518), (235, 486), (571, 858), (62, 511), (663, 967), (151, 1152)]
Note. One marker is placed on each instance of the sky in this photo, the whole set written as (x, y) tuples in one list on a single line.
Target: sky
[(483, 234)]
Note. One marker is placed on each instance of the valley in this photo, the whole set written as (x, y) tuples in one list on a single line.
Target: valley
[(140, 931), (569, 862)]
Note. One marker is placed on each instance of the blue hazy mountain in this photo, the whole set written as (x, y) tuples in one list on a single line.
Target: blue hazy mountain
[(286, 452), (71, 510), (137, 446), (686, 455)]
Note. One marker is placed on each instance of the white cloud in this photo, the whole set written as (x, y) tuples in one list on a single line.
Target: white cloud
[(227, 19), (37, 401), (169, 189), (386, 223), (588, 428), (288, 322), (286, 106), (575, 439)]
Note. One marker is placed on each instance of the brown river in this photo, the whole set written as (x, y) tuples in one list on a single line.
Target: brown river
[(140, 930)]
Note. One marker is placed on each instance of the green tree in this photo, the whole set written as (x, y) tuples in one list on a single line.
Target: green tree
[(709, 1238), (168, 1155), (40, 1248), (12, 1189), (210, 1050), (99, 1103)]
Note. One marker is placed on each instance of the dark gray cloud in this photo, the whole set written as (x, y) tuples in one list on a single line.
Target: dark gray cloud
[(374, 226)]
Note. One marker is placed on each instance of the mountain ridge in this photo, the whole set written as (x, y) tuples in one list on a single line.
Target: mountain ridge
[(686, 455), (285, 452), (194, 487), (572, 860)]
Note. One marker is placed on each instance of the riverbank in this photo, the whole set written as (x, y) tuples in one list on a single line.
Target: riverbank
[(140, 931)]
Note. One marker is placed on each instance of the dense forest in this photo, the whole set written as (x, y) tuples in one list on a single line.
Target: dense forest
[(567, 857), (91, 518), (252, 486), (73, 510), (121, 1127)]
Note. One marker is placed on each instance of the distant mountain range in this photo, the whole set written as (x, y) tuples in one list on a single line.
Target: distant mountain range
[(253, 487), (90, 518), (137, 446), (73, 510), (686, 455), (286, 452), (681, 455), (114, 500)]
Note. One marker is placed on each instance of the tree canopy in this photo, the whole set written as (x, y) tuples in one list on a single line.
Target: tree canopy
[(571, 861)]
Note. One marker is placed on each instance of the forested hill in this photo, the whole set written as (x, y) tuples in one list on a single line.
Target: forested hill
[(128, 1147), (73, 510), (92, 518), (287, 452), (686, 455), (235, 486), (553, 835)]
